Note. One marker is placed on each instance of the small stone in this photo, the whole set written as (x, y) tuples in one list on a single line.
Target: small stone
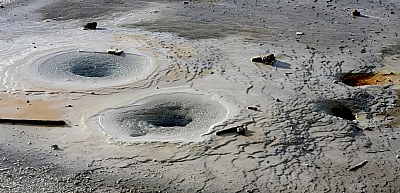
[(268, 59), (355, 13), (252, 108), (1, 6), (241, 130), (69, 106), (363, 50), (299, 33), (116, 52), (367, 129), (335, 81), (90, 26), (398, 156), (54, 147), (186, 2)]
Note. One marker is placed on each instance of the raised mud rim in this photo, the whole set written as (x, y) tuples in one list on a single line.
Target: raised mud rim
[(127, 69)]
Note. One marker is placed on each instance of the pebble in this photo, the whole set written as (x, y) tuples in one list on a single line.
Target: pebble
[(363, 50), (54, 147)]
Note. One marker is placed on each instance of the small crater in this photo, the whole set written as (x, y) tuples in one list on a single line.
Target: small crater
[(88, 69), (180, 116), (342, 108), (342, 111)]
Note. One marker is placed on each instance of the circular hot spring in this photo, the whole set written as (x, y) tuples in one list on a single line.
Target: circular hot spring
[(90, 69), (178, 116)]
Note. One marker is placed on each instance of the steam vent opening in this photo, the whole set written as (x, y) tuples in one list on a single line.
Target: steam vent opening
[(338, 109), (342, 112), (91, 69), (167, 116), (180, 116), (362, 79)]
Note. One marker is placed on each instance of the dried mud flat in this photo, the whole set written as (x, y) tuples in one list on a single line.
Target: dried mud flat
[(323, 118)]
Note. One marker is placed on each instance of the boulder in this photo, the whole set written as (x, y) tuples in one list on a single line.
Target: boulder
[(90, 26), (266, 59)]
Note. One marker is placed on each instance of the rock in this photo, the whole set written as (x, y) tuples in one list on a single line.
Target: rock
[(268, 59), (241, 130), (355, 13), (367, 129), (363, 50), (186, 2), (335, 81), (299, 33), (54, 147), (358, 166), (90, 26), (1, 6), (117, 52), (252, 108), (69, 106)]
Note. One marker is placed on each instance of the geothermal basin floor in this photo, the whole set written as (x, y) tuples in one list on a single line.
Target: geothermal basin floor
[(147, 121)]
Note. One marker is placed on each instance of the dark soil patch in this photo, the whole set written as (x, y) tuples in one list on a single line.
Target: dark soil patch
[(77, 9)]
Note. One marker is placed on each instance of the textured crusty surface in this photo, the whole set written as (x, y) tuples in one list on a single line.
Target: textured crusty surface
[(296, 140)]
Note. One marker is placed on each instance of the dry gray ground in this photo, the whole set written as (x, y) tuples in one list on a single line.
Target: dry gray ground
[(295, 142)]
